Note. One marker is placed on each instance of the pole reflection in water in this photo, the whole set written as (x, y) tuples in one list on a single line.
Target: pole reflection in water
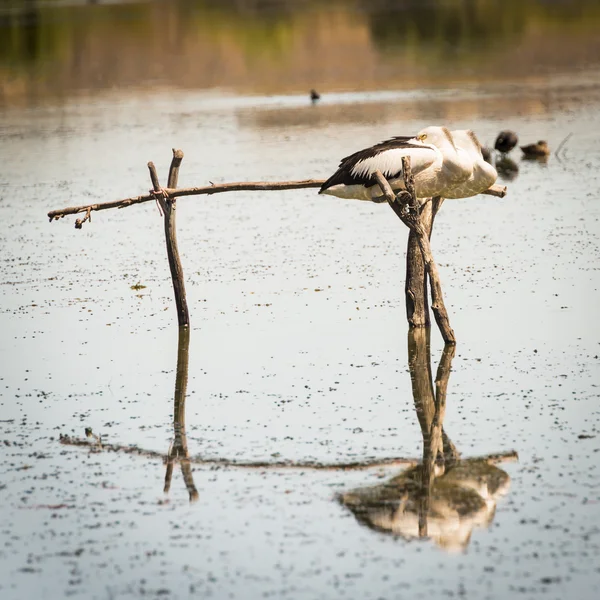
[(178, 451), (444, 497)]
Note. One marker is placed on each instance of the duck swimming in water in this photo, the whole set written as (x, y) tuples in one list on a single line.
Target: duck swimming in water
[(538, 150), (506, 141)]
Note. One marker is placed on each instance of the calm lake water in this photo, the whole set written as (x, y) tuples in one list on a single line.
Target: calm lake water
[(299, 348)]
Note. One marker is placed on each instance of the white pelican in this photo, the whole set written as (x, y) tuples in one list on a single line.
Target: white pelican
[(435, 162), (483, 175)]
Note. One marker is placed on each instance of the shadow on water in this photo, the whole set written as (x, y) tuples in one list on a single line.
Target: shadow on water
[(445, 496)]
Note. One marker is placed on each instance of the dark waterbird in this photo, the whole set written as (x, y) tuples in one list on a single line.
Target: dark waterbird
[(506, 141), (314, 96), (539, 150)]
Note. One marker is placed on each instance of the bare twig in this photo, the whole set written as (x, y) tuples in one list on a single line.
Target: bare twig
[(154, 178), (174, 168), (88, 217), (498, 191)]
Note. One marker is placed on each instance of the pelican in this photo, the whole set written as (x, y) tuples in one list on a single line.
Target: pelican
[(483, 176), (487, 154), (506, 141), (436, 164)]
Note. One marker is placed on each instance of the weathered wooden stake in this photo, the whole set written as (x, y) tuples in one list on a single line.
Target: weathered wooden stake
[(168, 206), (415, 288), (410, 217), (415, 285)]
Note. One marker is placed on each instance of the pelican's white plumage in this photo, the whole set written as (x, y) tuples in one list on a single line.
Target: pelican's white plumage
[(435, 162), (483, 176)]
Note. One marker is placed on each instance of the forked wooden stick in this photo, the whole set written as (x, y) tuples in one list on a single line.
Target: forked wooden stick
[(412, 220)]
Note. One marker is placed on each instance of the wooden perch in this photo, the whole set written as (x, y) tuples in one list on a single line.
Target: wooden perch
[(167, 205), (418, 217), (415, 285), (410, 217), (499, 191)]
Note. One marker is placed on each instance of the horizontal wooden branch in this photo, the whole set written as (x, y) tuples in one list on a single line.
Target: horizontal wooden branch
[(498, 191)]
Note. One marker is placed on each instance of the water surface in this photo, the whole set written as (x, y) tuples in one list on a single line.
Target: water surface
[(298, 347)]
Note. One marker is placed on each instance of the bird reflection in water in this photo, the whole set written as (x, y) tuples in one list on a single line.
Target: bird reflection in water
[(444, 497), (178, 451), (507, 168)]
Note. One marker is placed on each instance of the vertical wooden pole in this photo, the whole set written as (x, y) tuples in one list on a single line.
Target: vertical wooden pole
[(415, 288), (408, 212), (168, 206)]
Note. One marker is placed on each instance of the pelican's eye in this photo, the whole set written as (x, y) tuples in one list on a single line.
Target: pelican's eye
[(422, 137)]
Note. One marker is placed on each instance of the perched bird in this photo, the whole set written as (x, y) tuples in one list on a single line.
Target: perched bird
[(536, 150), (314, 96), (506, 141), (483, 176), (435, 163)]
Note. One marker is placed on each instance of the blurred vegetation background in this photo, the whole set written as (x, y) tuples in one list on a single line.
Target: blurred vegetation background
[(52, 49)]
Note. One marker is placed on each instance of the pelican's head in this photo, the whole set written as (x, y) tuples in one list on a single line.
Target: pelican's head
[(436, 136)]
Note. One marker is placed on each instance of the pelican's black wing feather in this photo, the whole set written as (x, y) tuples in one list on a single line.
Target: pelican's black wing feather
[(344, 175)]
